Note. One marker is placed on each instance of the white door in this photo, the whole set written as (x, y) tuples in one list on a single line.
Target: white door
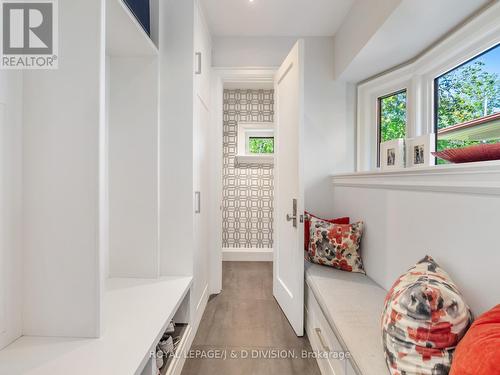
[(288, 276)]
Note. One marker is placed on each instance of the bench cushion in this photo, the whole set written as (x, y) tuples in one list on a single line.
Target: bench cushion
[(352, 304)]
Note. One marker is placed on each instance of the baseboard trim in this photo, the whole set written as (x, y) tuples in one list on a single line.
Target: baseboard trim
[(230, 254)]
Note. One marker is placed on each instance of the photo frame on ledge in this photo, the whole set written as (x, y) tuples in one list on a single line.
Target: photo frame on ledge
[(392, 154), (419, 151)]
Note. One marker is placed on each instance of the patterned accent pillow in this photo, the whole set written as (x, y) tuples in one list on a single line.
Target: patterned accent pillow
[(336, 245), (307, 226), (424, 318)]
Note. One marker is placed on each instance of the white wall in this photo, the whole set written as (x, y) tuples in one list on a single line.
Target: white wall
[(251, 51), (133, 167), (11, 276), (329, 126), (359, 26), (63, 183), (329, 107), (460, 231), (105, 253), (402, 226), (379, 35)]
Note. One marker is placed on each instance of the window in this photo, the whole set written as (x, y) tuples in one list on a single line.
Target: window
[(391, 118), (255, 142), (261, 145), (467, 103), (452, 94)]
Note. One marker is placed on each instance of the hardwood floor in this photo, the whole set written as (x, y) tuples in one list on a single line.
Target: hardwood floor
[(245, 320)]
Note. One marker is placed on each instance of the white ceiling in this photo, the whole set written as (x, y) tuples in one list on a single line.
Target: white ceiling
[(275, 17), (411, 28)]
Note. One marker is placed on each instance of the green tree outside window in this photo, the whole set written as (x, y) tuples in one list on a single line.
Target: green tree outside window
[(393, 117), (261, 145), (465, 94)]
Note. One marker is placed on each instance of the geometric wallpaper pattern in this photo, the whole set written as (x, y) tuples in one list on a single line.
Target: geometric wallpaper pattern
[(247, 206)]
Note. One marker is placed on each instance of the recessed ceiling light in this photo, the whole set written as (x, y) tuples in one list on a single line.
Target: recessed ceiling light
[(251, 1)]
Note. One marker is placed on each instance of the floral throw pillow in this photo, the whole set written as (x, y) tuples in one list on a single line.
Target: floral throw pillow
[(307, 226), (424, 318), (336, 245)]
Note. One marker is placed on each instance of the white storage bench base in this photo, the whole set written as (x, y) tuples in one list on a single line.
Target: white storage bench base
[(136, 313), (343, 313)]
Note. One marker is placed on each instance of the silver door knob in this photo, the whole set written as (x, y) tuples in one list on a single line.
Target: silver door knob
[(293, 218)]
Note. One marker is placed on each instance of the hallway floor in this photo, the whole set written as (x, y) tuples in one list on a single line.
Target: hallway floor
[(245, 320)]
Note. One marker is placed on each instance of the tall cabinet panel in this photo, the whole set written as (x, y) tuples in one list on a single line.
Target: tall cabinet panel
[(202, 48), (176, 137), (184, 121), (11, 261), (63, 184), (200, 184), (203, 59)]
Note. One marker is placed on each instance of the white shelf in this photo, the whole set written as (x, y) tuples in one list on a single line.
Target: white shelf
[(125, 37), (136, 313), (255, 159), (469, 178)]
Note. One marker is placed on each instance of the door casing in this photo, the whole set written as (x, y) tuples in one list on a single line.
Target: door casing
[(237, 78)]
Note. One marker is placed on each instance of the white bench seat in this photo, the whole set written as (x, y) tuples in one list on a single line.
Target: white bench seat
[(352, 305)]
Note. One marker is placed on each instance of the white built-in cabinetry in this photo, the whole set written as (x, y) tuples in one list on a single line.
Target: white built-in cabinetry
[(184, 125), (11, 278), (201, 167), (203, 57), (115, 211)]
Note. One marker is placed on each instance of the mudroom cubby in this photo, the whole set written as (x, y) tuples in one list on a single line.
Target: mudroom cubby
[(136, 313), (132, 123), (171, 364), (182, 330)]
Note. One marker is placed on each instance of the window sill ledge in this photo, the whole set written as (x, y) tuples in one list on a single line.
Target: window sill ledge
[(255, 159), (472, 178)]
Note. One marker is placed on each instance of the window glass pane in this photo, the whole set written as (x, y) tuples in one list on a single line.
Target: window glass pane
[(392, 116), (261, 145), (468, 103)]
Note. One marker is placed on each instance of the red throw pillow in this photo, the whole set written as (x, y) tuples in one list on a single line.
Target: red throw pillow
[(478, 353), (307, 226)]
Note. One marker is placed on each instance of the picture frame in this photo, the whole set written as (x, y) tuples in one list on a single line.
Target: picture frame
[(419, 151), (392, 154)]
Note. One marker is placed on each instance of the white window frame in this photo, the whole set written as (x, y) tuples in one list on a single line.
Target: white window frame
[(246, 130), (417, 77)]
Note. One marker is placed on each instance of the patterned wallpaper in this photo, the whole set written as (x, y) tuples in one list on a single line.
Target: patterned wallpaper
[(247, 208)]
